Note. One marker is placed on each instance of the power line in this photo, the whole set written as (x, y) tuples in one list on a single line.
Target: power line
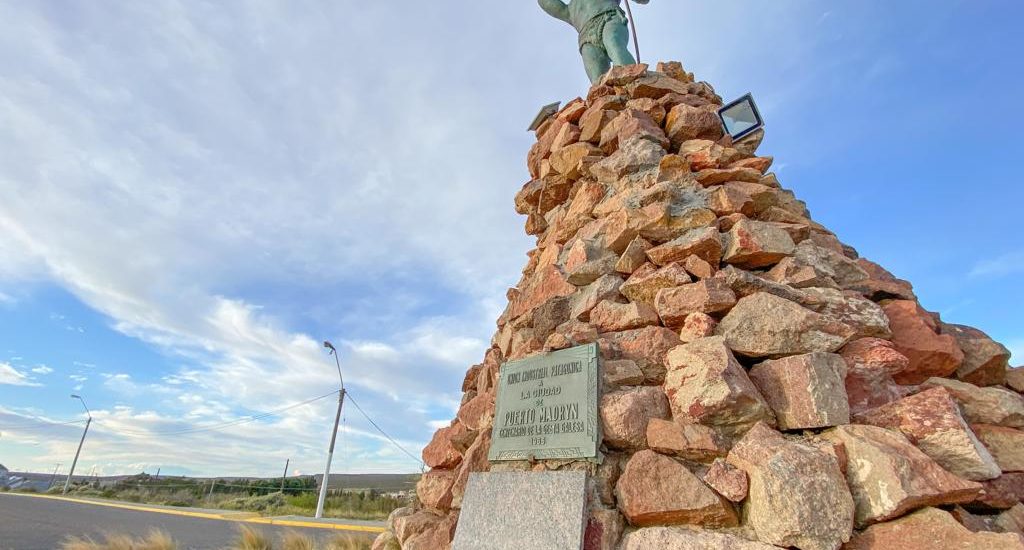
[(230, 423), (45, 423), (379, 429)]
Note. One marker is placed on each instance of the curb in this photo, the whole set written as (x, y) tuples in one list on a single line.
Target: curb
[(228, 516)]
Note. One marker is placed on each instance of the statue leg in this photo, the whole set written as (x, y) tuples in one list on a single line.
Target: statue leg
[(616, 42), (595, 61)]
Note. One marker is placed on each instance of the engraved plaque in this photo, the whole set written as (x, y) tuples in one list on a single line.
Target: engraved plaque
[(547, 407)]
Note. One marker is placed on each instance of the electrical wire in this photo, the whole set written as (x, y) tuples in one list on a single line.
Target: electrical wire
[(222, 425), (379, 429), (45, 423)]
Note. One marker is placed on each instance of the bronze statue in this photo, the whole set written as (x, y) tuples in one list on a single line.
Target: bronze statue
[(603, 28)]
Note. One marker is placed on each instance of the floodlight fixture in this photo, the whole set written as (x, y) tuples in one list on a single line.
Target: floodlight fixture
[(546, 112), (741, 117)]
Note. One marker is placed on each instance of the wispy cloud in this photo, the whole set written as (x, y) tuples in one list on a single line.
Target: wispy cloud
[(1000, 266), (42, 369), (13, 377)]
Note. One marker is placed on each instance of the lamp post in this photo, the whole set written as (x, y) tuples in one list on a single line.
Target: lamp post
[(67, 483), (334, 433)]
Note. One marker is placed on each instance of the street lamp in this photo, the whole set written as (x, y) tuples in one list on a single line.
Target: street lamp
[(334, 433), (67, 483)]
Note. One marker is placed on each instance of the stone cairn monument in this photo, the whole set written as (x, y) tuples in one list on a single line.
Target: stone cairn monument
[(761, 385)]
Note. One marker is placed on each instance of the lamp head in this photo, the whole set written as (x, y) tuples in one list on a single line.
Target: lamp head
[(73, 396), (329, 346)]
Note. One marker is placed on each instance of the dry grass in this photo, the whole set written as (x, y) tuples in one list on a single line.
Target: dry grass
[(156, 540), (293, 540), (252, 539)]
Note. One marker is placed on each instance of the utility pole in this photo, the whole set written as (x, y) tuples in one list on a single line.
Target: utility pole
[(213, 482), (334, 433), (71, 473), (286, 462), (53, 477), (158, 473)]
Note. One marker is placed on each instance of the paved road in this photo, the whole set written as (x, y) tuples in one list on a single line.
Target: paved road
[(28, 523)]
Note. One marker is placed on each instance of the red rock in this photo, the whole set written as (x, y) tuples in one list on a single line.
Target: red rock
[(930, 529), (702, 153), (567, 135), (440, 453), (681, 538), (626, 413), (621, 372), (593, 122), (583, 302), (611, 316), (675, 70), (645, 283), (797, 494), (412, 525), (699, 268), (915, 335), (804, 391), (437, 537), (435, 489), (568, 160), (603, 530), (728, 199), (880, 284), (653, 109), (585, 262), (889, 477), (634, 155), (689, 441), (1015, 378), (764, 325), (478, 413), (849, 308), (632, 124), (985, 360), (656, 490), (697, 325), (932, 421), (831, 263), (675, 304), (1003, 492), (871, 363), (706, 385), (718, 176), (648, 347), (761, 164), (685, 123), (634, 256), (572, 111), (753, 244), (1005, 444), (475, 461), (620, 75), (1010, 521), (705, 243), (547, 283), (727, 480), (791, 272), (991, 405)]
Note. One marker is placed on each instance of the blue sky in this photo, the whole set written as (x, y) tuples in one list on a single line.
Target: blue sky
[(194, 194)]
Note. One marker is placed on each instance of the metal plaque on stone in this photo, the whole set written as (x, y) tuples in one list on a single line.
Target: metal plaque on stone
[(547, 407), (520, 510)]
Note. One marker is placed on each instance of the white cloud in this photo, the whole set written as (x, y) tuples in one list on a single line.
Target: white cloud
[(13, 377), (42, 369), (1000, 266)]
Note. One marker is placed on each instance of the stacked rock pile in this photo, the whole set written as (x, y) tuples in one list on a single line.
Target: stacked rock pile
[(763, 385)]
